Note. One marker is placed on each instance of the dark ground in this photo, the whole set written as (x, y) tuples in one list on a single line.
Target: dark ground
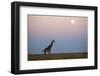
[(32, 57)]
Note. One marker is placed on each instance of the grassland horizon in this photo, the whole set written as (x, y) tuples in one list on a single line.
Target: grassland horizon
[(56, 56)]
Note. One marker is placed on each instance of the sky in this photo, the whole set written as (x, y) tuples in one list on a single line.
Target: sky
[(69, 33)]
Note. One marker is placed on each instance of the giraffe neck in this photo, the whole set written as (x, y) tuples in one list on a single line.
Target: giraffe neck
[(51, 44)]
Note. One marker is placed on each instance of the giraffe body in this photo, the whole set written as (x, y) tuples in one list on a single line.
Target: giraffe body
[(47, 50)]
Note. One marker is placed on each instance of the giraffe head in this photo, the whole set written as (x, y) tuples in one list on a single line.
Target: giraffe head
[(53, 40)]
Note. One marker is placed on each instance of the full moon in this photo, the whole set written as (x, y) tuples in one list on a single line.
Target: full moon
[(72, 21)]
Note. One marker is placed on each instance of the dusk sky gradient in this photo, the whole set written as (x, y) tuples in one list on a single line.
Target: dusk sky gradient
[(69, 33)]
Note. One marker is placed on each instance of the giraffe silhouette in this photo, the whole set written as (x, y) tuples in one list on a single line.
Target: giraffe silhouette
[(47, 50)]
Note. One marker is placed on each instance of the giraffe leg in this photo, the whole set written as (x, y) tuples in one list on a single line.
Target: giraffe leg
[(44, 52), (49, 52)]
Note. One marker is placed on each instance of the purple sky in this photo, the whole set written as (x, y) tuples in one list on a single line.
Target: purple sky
[(70, 33)]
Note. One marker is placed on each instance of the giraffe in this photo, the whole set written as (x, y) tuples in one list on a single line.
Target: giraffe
[(48, 49)]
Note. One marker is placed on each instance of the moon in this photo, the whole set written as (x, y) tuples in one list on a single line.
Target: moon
[(72, 21)]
